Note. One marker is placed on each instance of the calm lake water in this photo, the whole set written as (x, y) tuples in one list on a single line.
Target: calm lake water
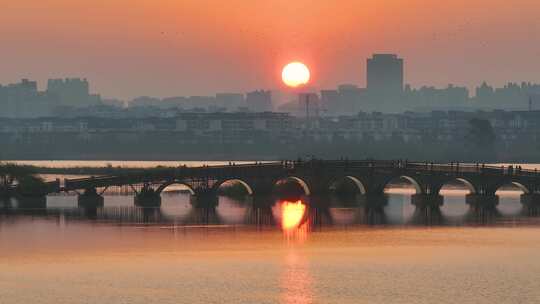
[(287, 252)]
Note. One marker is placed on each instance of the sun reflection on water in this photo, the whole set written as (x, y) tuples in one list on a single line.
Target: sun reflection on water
[(292, 217), (292, 214)]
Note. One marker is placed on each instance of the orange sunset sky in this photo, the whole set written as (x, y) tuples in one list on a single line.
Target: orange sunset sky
[(128, 48)]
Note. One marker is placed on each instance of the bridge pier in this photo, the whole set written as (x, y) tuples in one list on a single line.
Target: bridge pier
[(5, 193), (531, 204), (428, 209), (5, 203), (205, 199), (260, 216), (262, 200), (204, 203), (483, 208), (431, 201), (316, 201), (31, 202), (90, 199), (372, 205), (148, 197), (482, 201), (373, 200), (531, 199)]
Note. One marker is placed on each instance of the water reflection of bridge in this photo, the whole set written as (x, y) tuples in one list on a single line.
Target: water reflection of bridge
[(322, 212)]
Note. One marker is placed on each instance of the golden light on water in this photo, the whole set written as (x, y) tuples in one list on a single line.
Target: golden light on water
[(296, 280), (292, 214)]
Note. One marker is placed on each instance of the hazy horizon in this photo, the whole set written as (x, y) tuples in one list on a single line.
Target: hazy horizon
[(166, 48)]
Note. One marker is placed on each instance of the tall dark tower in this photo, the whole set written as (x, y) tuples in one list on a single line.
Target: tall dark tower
[(385, 75)]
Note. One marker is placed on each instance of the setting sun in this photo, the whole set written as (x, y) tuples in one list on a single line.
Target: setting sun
[(295, 74)]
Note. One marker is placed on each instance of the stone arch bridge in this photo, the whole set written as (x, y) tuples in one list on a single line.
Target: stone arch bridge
[(316, 178)]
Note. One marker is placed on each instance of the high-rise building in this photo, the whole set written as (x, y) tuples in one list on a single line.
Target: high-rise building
[(385, 74)]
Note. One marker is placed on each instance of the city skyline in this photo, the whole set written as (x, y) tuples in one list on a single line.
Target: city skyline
[(385, 81), (128, 52), (386, 91)]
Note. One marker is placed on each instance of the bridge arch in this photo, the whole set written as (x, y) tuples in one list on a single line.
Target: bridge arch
[(410, 179), (248, 188), (302, 183), (522, 187), (357, 183), (517, 184), (468, 184), (458, 194), (161, 188), (415, 183)]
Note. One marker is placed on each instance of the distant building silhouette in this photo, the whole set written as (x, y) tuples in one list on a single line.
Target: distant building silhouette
[(259, 101), (308, 105), (23, 100), (348, 98), (511, 96), (231, 101), (431, 98), (147, 101), (352, 99), (72, 92), (329, 100)]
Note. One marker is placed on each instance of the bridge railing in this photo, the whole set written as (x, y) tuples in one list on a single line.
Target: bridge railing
[(473, 168)]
